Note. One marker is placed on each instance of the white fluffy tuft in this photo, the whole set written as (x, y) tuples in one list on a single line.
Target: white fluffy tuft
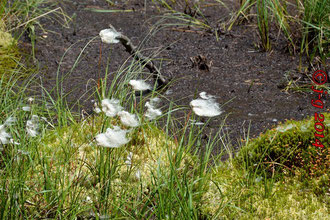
[(110, 107), (26, 108), (205, 96), (10, 121), (128, 119), (112, 138), (139, 85), (152, 112), (32, 126), (109, 36), (206, 106), (4, 136)]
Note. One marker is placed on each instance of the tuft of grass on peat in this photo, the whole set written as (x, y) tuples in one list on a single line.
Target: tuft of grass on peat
[(305, 24)]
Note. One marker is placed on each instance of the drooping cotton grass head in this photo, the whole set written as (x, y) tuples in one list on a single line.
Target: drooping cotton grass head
[(152, 112), (30, 100), (205, 106), (155, 101), (10, 121), (138, 174), (128, 161), (206, 96), (109, 36), (97, 109), (128, 119), (12, 141), (4, 136), (111, 107), (139, 85), (32, 126), (26, 108), (112, 138), (194, 122)]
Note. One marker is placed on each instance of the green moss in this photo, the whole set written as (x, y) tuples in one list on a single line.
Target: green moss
[(278, 175), (73, 156), (235, 193), (288, 149), (287, 200), (9, 55), (6, 39)]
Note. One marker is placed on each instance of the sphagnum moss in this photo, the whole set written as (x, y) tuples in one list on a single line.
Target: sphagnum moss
[(232, 193), (149, 147), (288, 147), (8, 52)]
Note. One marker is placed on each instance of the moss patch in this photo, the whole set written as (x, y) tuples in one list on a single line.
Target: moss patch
[(235, 194), (9, 55), (74, 161), (288, 149), (278, 175)]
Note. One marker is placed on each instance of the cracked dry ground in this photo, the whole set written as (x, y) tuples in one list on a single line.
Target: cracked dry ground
[(251, 79)]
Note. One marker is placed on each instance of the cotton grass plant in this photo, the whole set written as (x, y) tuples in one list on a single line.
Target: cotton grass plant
[(64, 168)]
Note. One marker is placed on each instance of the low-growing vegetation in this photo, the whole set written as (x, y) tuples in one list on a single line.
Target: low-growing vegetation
[(8, 51), (132, 159), (289, 148), (63, 173)]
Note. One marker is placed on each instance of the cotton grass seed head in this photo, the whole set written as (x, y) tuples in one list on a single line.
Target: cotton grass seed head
[(4, 136), (97, 110), (26, 108), (10, 121), (152, 112), (128, 119), (109, 36), (155, 101), (128, 161), (30, 99), (139, 85), (194, 122), (138, 175), (205, 96), (112, 138), (206, 106), (111, 107), (12, 141), (32, 126)]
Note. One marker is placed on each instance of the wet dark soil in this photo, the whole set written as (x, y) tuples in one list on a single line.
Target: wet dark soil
[(251, 82)]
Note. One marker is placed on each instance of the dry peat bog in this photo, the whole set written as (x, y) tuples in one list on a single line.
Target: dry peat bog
[(249, 81)]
